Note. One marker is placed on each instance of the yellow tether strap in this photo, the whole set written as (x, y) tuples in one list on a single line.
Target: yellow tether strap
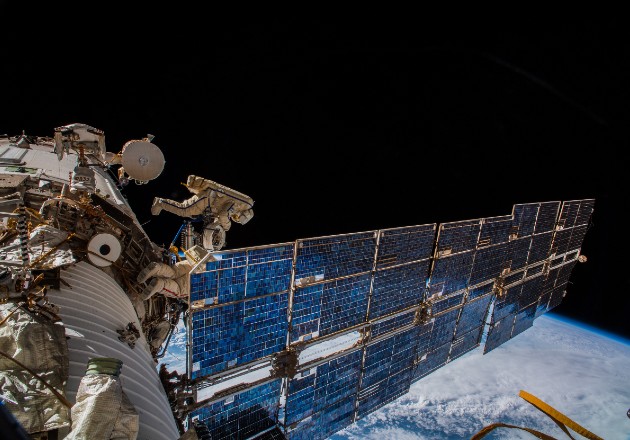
[(558, 416), (560, 419), (486, 430)]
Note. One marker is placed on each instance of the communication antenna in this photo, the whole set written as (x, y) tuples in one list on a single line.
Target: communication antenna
[(142, 160)]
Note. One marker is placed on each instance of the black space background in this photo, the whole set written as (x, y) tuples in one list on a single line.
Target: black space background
[(338, 125)]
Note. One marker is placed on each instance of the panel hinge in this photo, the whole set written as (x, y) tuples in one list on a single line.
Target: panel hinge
[(284, 363), (498, 289), (423, 314)]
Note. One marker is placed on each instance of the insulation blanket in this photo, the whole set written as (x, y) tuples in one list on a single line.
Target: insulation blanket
[(40, 345), (103, 411)]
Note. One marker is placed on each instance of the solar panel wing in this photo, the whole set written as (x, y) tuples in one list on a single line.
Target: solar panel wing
[(304, 338)]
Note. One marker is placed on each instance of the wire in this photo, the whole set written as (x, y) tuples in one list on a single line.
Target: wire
[(57, 394)]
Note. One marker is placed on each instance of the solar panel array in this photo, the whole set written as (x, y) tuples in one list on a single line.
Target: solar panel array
[(304, 338)]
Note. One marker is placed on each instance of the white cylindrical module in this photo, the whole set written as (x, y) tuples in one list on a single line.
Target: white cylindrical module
[(92, 309)]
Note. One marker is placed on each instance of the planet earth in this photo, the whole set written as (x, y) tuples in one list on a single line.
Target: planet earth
[(579, 370)]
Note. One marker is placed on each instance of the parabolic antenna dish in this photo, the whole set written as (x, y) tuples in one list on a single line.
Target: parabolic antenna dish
[(142, 160)]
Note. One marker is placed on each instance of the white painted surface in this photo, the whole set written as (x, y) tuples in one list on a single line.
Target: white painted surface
[(92, 310)]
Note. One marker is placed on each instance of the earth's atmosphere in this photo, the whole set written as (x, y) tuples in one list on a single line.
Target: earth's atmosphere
[(579, 370)]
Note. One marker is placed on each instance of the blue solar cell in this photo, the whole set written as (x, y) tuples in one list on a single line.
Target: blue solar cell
[(577, 237), (559, 279), (243, 415), (513, 277), (329, 307), (444, 328), (524, 319), (541, 307), (385, 391), (398, 288), (447, 302), (473, 315), (517, 253), (541, 246), (231, 335), (231, 284), (489, 263), (499, 332), (403, 245), (431, 360), (508, 305), (530, 292), (547, 215), (424, 339), (314, 390), (458, 236), (334, 257), (495, 230), (569, 214), (556, 296), (586, 210), (271, 253), (451, 273), (244, 297), (480, 291), (324, 423), (389, 356), (525, 218), (531, 271), (466, 342), (247, 273), (268, 277), (561, 241), (204, 286), (389, 324)]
